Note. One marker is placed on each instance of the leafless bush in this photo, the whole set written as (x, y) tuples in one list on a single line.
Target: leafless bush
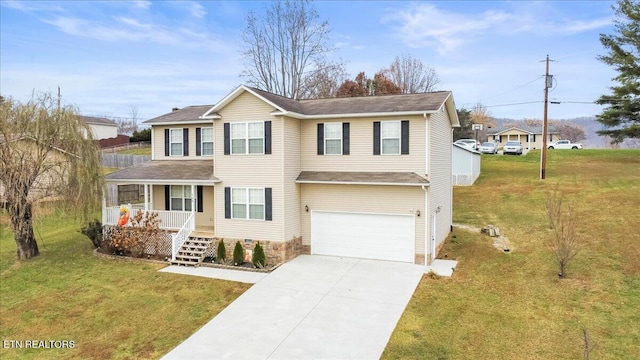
[(563, 241)]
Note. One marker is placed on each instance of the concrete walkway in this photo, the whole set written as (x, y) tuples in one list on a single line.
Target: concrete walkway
[(313, 307)]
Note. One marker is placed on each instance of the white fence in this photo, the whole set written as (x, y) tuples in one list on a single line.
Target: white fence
[(171, 220)]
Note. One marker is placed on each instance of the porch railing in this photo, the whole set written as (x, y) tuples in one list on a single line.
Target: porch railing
[(181, 236), (170, 220)]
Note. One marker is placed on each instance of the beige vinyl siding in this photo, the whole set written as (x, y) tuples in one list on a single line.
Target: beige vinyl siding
[(440, 189), (249, 170), (204, 220), (361, 156), (291, 170), (158, 142), (365, 199)]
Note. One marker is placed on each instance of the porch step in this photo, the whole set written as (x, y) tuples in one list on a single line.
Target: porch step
[(194, 250)]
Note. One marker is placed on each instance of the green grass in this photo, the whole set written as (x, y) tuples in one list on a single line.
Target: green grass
[(137, 151), (111, 309), (513, 306)]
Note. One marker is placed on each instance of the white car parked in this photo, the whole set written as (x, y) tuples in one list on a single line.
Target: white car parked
[(512, 147), (564, 144), (488, 148), (468, 143)]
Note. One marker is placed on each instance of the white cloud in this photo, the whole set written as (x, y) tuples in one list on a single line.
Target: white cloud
[(197, 10), (142, 4), (31, 6), (425, 25)]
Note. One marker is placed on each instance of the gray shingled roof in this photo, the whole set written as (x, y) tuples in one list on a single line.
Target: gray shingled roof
[(187, 114), (166, 170), (431, 101), (529, 129), (97, 120), (357, 177)]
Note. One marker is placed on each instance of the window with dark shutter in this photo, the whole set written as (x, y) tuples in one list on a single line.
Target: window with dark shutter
[(376, 138), (227, 139), (167, 197), (198, 141), (267, 137), (345, 138), (166, 142), (320, 139), (199, 200), (404, 142), (185, 142), (227, 203)]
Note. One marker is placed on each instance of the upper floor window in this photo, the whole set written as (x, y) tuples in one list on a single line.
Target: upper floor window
[(247, 138), (390, 137), (206, 141), (333, 138), (175, 142)]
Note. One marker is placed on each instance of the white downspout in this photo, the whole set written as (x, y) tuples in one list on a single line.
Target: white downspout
[(426, 233)]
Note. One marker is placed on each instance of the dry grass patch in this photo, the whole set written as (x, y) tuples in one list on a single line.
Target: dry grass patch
[(513, 306)]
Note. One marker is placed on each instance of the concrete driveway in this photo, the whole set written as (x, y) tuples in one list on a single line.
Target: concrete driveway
[(313, 307)]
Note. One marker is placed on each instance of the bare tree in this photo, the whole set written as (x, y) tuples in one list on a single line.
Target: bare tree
[(324, 82), (563, 241), (481, 115), (569, 131), (412, 76), (127, 126), (285, 47), (44, 153)]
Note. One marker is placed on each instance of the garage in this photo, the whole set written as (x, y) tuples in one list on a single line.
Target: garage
[(363, 235)]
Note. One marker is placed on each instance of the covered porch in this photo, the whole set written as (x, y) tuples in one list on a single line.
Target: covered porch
[(180, 192)]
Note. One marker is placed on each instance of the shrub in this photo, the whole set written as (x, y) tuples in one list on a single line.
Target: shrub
[(258, 256), (238, 254), (93, 230), (132, 240), (221, 252)]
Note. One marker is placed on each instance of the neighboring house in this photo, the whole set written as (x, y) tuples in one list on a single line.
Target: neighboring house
[(530, 137), (465, 165), (46, 184), (366, 177), (100, 127)]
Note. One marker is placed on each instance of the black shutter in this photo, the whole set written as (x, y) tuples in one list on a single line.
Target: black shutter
[(404, 137), (198, 141), (227, 203), (185, 142), (166, 142), (376, 138), (199, 198), (320, 139), (167, 197), (345, 138), (268, 213), (267, 137), (227, 138)]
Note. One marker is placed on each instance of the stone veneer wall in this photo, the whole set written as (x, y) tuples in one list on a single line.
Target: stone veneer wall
[(276, 252)]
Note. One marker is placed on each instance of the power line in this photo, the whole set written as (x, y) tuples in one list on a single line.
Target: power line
[(514, 89)]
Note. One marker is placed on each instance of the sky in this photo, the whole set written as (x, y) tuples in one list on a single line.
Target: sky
[(142, 58)]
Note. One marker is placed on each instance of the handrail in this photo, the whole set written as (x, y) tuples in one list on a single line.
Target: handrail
[(181, 236)]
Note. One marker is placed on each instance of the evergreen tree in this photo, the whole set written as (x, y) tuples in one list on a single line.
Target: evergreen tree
[(221, 252), (238, 254), (622, 116), (258, 259)]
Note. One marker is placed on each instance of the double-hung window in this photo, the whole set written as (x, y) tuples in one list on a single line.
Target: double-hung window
[(333, 138), (206, 139), (247, 138), (175, 142), (248, 203), (390, 137), (180, 198)]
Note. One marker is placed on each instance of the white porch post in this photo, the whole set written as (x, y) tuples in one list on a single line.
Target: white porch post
[(151, 197), (193, 207), (146, 198), (104, 207)]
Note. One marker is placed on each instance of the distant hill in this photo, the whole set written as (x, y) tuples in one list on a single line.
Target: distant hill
[(590, 126)]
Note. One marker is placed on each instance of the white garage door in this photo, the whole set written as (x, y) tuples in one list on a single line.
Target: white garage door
[(369, 236)]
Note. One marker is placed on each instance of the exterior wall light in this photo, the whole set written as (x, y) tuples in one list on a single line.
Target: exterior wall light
[(306, 208)]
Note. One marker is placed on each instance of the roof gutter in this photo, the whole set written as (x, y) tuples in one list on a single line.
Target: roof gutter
[(358, 183), (352, 115)]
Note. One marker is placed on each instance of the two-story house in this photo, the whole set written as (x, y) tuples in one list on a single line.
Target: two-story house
[(366, 177)]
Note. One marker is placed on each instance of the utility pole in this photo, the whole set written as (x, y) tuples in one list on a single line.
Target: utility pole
[(548, 80)]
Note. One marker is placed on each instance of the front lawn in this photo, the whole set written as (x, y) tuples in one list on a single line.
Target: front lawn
[(110, 309), (513, 306)]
